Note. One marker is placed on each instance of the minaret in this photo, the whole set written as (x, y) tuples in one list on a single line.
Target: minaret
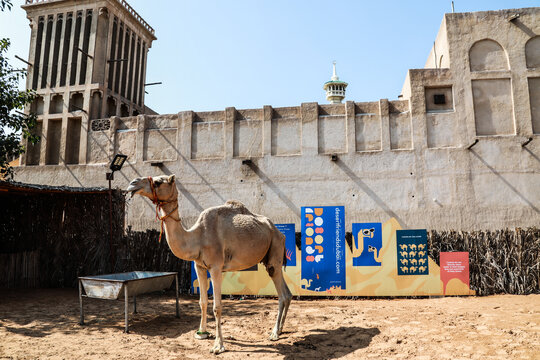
[(335, 89)]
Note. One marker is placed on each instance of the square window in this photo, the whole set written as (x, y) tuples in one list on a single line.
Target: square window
[(439, 99)]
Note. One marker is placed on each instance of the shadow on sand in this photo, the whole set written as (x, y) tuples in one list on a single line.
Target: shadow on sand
[(338, 342)]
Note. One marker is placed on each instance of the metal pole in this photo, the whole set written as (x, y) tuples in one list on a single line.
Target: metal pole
[(126, 306), (177, 309), (81, 321), (85, 53), (24, 61), (435, 54), (110, 226)]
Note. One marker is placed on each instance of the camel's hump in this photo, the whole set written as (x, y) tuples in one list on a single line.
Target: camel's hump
[(236, 204), (238, 207)]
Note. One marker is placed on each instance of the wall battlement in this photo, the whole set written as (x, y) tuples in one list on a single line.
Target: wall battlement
[(459, 150)]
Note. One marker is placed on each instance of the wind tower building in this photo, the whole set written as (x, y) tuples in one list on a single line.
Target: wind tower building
[(335, 89), (87, 61)]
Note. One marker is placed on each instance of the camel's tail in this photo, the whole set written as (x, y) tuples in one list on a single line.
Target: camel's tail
[(265, 260), (284, 252)]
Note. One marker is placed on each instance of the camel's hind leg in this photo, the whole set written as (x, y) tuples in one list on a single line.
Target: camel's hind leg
[(217, 278), (202, 276), (285, 296), (274, 268)]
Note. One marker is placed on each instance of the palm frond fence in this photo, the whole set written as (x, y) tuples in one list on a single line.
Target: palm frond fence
[(50, 236)]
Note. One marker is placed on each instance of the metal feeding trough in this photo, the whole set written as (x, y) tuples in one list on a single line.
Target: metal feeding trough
[(114, 286)]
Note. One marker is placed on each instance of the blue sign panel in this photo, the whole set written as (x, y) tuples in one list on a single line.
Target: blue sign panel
[(412, 252), (367, 244), (323, 248), (290, 242), (195, 288)]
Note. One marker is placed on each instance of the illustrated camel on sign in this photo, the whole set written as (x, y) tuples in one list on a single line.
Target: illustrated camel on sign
[(305, 283), (358, 250), (197, 288), (376, 253), (224, 238)]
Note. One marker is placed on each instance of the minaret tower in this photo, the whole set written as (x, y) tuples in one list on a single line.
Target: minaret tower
[(335, 89)]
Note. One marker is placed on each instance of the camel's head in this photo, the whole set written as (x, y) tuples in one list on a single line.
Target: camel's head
[(163, 187)]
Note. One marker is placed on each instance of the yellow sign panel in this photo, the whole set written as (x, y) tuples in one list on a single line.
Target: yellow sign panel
[(361, 280)]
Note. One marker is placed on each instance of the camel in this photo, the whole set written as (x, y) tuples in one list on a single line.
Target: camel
[(376, 253), (363, 233), (224, 238)]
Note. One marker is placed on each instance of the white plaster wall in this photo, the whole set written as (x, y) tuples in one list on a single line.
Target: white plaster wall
[(208, 141), (286, 136), (435, 180), (332, 130), (493, 108), (534, 96), (368, 133)]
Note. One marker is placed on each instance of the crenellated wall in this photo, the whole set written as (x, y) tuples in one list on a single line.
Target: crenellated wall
[(459, 150)]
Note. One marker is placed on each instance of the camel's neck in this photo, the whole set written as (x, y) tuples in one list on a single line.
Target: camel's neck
[(183, 243)]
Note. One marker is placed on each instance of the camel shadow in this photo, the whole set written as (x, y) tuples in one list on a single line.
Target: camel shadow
[(338, 342)]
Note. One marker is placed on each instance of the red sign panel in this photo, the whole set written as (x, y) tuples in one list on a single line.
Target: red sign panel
[(455, 273)]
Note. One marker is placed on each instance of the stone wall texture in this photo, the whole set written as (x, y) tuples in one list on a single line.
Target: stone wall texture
[(459, 150)]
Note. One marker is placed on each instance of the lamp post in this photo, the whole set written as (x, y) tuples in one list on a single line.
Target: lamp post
[(116, 165)]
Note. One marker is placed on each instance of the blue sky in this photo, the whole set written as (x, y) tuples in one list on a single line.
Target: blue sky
[(248, 53)]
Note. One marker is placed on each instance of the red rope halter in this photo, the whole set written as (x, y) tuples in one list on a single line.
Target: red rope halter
[(159, 206)]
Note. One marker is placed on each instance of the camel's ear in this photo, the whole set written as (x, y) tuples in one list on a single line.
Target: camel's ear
[(172, 178)]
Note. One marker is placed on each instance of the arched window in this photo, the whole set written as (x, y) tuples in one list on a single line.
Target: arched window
[(532, 52), (487, 55)]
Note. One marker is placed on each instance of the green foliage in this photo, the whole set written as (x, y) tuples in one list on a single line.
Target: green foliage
[(13, 122)]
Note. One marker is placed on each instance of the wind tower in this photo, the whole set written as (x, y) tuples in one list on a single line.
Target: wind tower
[(335, 89), (87, 63)]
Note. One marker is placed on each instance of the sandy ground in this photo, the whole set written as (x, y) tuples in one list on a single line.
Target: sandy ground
[(43, 324)]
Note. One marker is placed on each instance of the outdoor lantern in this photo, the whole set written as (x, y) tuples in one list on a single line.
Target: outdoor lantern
[(116, 165), (118, 161)]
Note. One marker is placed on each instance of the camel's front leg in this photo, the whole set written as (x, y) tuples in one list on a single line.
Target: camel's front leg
[(217, 277), (203, 301)]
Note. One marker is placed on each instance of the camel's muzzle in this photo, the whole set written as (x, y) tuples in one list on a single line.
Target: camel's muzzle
[(134, 186)]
